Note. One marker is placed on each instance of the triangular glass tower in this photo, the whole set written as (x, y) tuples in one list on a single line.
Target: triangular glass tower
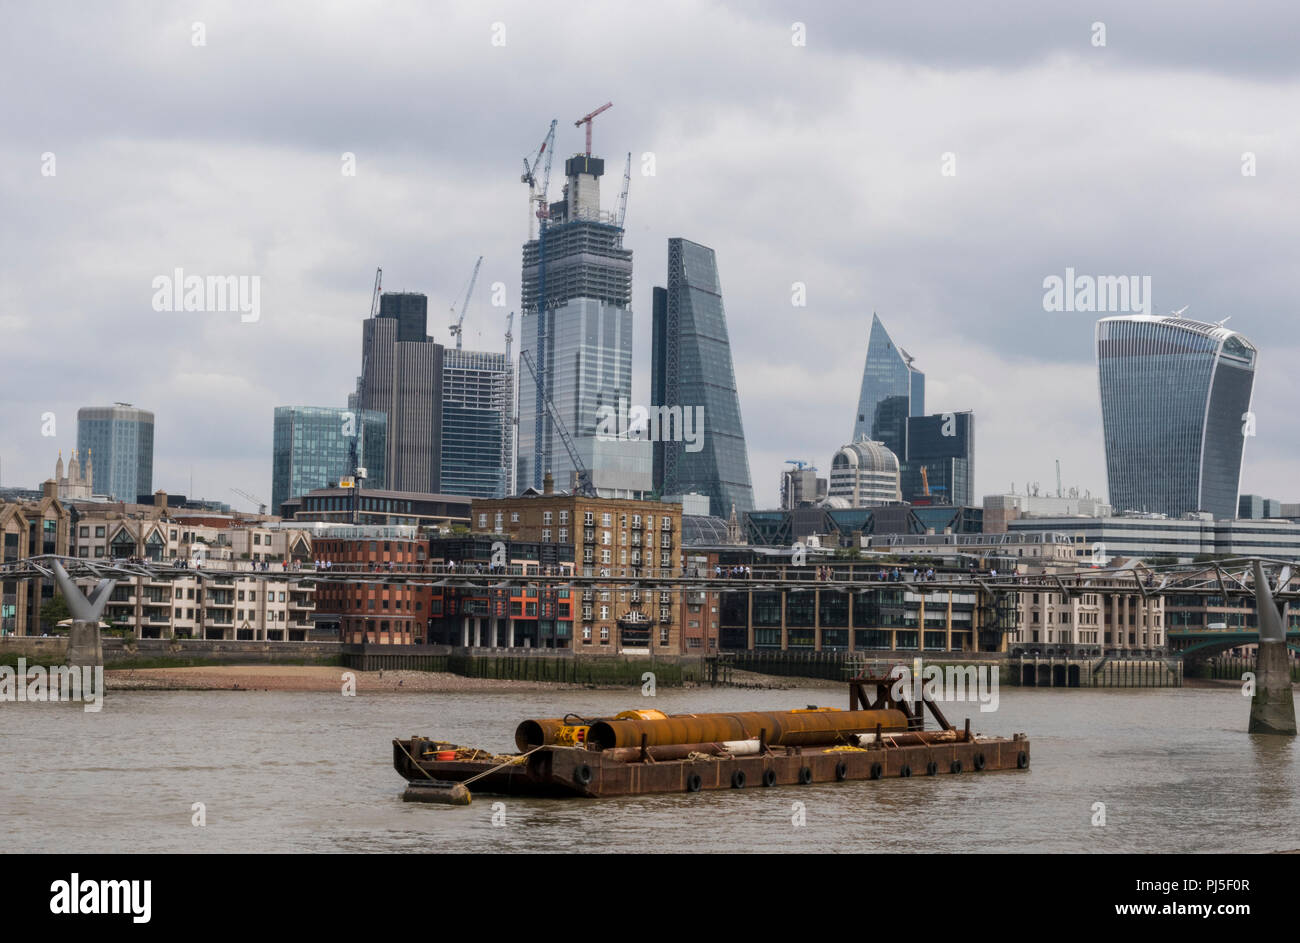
[(892, 390)]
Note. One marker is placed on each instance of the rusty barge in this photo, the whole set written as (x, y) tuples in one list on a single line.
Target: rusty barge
[(643, 752)]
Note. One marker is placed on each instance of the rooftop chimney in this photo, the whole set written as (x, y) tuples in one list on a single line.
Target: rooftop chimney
[(548, 484)]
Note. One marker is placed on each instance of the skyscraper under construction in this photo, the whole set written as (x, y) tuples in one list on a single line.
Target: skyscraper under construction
[(576, 328)]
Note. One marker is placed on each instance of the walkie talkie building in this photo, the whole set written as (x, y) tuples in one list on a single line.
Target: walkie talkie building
[(1175, 410)]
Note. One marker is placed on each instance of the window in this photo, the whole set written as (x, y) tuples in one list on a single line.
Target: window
[(564, 517), (604, 612), (589, 518), (514, 517), (586, 633), (546, 535), (605, 520), (546, 517), (99, 532), (482, 519), (85, 532), (604, 635), (564, 535)]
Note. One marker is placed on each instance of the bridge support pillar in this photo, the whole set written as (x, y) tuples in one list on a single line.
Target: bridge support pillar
[(1272, 709), (85, 646)]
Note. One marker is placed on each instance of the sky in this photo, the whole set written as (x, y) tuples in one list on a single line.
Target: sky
[(933, 163)]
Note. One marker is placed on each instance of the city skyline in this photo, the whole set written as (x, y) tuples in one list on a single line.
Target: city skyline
[(896, 237)]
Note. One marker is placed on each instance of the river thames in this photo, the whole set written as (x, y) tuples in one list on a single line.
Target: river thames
[(312, 772)]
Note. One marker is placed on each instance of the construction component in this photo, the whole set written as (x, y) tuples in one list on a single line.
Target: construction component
[(587, 119), (457, 329), (585, 485), (925, 481), (776, 728), (510, 324)]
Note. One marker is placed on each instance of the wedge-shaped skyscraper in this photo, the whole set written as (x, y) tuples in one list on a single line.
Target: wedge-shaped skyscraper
[(892, 390), (1175, 410), (691, 369)]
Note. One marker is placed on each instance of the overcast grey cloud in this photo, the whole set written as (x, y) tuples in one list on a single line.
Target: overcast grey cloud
[(817, 164)]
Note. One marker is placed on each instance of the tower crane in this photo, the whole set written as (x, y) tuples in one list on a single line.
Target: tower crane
[(539, 194), (374, 313), (374, 297), (587, 119), (510, 324), (529, 176), (261, 505), (585, 486), (622, 200), (456, 331)]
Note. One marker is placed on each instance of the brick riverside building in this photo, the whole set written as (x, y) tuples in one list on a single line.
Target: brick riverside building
[(383, 613), (611, 537)]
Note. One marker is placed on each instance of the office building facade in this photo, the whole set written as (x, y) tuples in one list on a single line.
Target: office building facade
[(477, 426), (119, 441), (692, 367), (316, 446), (1175, 408), (892, 390), (576, 327), (943, 445), (401, 377), (864, 474)]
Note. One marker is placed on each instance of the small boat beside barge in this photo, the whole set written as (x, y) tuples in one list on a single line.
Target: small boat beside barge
[(644, 752)]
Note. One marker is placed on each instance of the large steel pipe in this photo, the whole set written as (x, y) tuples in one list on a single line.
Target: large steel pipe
[(783, 728)]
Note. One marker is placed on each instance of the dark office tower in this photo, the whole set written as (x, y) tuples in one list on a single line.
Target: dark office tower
[(892, 390), (119, 441), (691, 367), (477, 408), (576, 326), (315, 446), (1175, 411), (401, 376), (943, 445)]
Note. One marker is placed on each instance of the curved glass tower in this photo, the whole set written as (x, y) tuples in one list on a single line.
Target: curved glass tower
[(892, 390), (1175, 395)]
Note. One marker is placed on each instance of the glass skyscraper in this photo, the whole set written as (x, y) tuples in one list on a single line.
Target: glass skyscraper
[(1175, 410), (314, 446), (691, 366), (119, 441), (477, 393), (892, 390), (576, 325), (944, 445)]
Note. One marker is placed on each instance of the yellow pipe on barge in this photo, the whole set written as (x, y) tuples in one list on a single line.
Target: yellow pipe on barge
[(778, 728)]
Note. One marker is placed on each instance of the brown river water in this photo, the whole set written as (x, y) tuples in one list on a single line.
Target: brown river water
[(312, 772)]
